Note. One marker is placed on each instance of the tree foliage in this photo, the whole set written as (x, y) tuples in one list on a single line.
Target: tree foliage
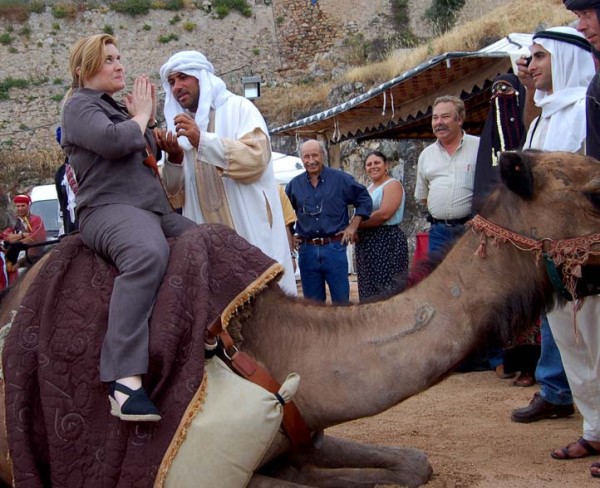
[(443, 13)]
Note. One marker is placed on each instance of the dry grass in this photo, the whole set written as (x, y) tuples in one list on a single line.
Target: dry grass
[(21, 170), (517, 16), (288, 103)]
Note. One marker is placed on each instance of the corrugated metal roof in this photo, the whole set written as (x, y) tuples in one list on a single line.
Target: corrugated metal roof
[(401, 107)]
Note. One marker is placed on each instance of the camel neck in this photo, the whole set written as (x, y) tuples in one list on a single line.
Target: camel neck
[(350, 358)]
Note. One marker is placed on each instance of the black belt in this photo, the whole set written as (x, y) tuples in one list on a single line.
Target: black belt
[(321, 241), (462, 221)]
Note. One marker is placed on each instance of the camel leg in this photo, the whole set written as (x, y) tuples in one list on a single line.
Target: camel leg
[(341, 463)]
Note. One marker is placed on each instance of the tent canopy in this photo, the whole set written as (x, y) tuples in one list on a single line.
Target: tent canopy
[(401, 107)]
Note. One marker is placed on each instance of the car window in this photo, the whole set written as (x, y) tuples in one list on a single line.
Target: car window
[(48, 211)]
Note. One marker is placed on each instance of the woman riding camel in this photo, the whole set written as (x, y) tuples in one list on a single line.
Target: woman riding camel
[(123, 212)]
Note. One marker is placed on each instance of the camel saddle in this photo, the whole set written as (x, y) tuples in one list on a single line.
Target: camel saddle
[(60, 430)]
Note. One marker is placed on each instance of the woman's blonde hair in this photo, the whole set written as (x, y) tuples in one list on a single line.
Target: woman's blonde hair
[(87, 55)]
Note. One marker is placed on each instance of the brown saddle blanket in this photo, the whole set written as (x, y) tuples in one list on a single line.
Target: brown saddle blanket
[(60, 430)]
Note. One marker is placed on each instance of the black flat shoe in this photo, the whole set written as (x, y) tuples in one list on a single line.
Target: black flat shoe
[(137, 408)]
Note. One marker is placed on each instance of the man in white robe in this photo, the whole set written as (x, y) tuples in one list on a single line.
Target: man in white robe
[(219, 158)]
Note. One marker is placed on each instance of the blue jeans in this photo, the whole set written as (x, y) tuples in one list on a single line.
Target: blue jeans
[(320, 264), (549, 373), (441, 235)]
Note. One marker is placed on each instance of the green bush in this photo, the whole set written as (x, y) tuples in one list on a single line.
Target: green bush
[(174, 20), (107, 29), (5, 39), (37, 6), (64, 10), (222, 11), (173, 5), (168, 38), (442, 14), (131, 7), (8, 83), (189, 26), (400, 13), (223, 7), (147, 27), (25, 31)]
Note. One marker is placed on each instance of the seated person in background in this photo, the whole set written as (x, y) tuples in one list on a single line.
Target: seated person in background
[(28, 229)]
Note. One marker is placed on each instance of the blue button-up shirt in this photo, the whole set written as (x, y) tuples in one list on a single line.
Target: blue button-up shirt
[(323, 210)]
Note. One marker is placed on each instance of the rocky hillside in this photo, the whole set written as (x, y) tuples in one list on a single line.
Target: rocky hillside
[(35, 52)]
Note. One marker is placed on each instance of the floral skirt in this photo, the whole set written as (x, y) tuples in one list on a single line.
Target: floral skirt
[(381, 257)]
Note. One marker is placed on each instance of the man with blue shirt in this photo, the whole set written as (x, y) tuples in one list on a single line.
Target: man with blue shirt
[(320, 198)]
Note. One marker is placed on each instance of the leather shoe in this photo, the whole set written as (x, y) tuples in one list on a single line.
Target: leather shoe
[(540, 409)]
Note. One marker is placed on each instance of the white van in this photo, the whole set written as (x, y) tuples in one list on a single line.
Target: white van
[(44, 203), (286, 167)]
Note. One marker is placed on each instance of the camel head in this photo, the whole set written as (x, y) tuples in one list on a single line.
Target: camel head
[(550, 201), (553, 195)]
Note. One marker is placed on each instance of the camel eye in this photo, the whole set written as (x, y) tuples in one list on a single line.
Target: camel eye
[(591, 191), (594, 198)]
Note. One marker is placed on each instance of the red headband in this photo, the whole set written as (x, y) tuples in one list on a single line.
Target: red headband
[(22, 199)]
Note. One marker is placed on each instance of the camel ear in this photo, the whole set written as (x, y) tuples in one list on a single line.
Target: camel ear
[(515, 169)]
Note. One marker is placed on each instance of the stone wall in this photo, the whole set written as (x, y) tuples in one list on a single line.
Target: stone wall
[(278, 42)]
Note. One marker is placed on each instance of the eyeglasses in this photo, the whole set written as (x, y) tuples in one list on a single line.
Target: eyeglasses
[(311, 208), (503, 88)]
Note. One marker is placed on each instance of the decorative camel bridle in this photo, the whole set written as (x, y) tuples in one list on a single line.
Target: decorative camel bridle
[(572, 253)]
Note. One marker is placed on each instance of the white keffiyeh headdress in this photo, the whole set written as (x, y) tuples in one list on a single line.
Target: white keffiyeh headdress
[(572, 71), (213, 91)]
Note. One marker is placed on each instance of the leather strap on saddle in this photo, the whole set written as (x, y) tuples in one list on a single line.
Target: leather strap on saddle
[(293, 422)]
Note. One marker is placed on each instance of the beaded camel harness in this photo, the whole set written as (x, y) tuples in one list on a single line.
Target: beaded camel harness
[(571, 254)]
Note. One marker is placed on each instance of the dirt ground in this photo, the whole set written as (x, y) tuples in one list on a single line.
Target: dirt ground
[(463, 425)]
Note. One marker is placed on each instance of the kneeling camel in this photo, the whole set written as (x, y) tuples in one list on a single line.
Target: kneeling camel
[(359, 360)]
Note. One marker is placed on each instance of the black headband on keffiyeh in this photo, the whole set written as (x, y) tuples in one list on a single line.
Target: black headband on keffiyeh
[(564, 37), (581, 4)]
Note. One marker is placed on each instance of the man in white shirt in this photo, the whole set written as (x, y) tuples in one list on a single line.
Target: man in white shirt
[(446, 172)]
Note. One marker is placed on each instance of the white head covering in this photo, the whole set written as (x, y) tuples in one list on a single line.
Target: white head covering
[(572, 72), (213, 91)]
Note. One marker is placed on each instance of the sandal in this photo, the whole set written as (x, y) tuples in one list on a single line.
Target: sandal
[(137, 408), (595, 474), (564, 452)]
